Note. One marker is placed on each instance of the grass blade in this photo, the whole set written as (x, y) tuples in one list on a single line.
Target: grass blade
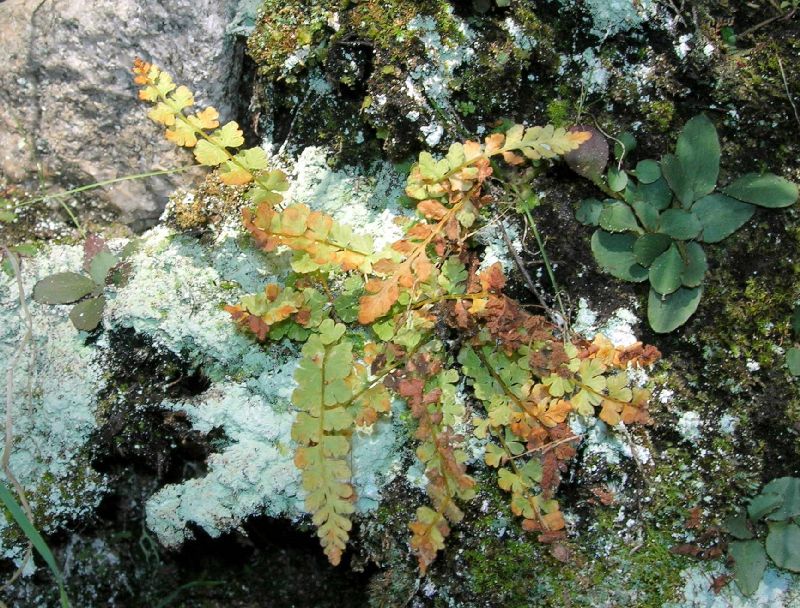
[(10, 503)]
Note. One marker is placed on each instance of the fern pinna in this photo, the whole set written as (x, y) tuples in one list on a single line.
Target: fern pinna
[(526, 375)]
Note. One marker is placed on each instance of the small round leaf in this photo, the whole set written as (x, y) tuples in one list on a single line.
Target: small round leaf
[(588, 212), (62, 288), (698, 152), (614, 254), (680, 224), (783, 545), (100, 266), (750, 561), (617, 179), (696, 265), (647, 171), (788, 489), (618, 217), (721, 216), (647, 214), (678, 181), (86, 315), (649, 246), (796, 320), (737, 526), (793, 360), (669, 312), (657, 194), (763, 504), (666, 271)]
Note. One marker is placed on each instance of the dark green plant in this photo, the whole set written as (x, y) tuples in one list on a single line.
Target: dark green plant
[(776, 511), (793, 354), (100, 267), (658, 215)]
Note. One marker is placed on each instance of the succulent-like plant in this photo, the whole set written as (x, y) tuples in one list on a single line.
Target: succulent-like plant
[(777, 509), (658, 214)]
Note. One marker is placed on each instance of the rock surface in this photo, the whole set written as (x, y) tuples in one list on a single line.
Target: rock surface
[(172, 299), (68, 108), (334, 102)]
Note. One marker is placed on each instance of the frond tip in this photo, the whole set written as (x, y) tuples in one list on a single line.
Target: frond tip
[(213, 145)]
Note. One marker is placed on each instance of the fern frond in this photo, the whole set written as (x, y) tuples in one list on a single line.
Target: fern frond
[(468, 164), (269, 313), (430, 392), (201, 131), (321, 241), (322, 430), (413, 268)]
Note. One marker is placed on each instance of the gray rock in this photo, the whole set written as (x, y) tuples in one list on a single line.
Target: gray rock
[(68, 107)]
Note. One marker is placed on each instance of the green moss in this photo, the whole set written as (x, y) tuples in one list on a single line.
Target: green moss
[(558, 112), (503, 55), (521, 572), (505, 571), (758, 305), (660, 114), (283, 29)]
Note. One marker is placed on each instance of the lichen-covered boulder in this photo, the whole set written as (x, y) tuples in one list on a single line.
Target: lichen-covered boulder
[(172, 297)]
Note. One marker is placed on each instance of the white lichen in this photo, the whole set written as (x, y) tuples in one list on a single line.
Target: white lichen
[(367, 203), (683, 48), (490, 236), (521, 39), (728, 424), (618, 327), (689, 426), (611, 17), (429, 81), (776, 590), (612, 448), (56, 381)]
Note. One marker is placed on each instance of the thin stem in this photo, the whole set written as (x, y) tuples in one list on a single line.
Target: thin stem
[(788, 92), (549, 446), (107, 182), (452, 296), (525, 274), (68, 210), (549, 267), (506, 389), (766, 22), (545, 258), (73, 218)]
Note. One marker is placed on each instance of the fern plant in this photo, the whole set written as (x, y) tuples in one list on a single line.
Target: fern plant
[(376, 324), (202, 132)]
